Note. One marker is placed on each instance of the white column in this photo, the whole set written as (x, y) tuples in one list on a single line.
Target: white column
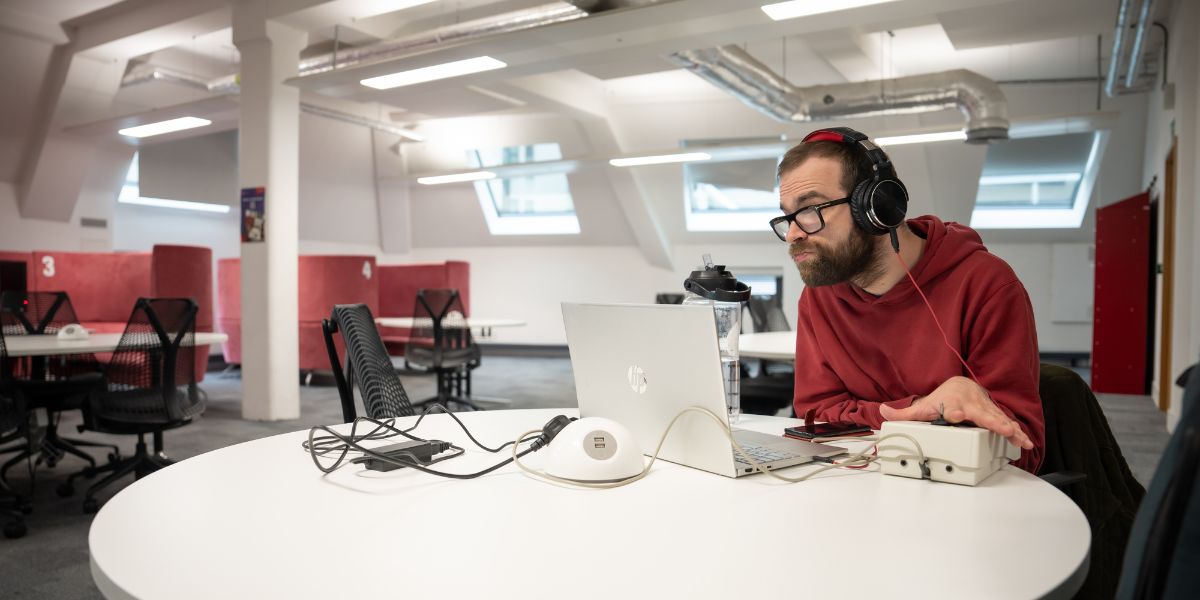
[(269, 157)]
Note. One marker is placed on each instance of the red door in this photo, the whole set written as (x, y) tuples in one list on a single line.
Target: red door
[(1120, 325)]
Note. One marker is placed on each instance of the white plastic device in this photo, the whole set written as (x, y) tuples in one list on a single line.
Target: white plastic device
[(594, 449), (74, 331), (953, 453)]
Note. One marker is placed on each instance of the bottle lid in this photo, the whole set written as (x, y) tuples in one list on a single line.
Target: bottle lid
[(715, 283)]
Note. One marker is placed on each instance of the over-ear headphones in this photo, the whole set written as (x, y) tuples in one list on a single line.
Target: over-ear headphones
[(878, 203)]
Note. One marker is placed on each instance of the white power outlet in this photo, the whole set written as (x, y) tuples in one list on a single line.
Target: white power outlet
[(953, 454)]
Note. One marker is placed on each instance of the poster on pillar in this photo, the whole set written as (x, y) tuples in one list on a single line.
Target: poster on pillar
[(253, 218)]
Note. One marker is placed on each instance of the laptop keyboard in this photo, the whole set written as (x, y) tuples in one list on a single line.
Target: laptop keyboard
[(762, 454)]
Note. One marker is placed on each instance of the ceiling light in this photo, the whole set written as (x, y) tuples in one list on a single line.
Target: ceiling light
[(803, 8), (442, 71), (1030, 178), (181, 204), (162, 127), (922, 138), (457, 177), (659, 159)]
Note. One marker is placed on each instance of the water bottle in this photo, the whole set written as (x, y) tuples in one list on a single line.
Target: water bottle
[(718, 288)]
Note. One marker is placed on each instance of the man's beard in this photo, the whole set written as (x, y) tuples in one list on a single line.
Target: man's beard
[(854, 261)]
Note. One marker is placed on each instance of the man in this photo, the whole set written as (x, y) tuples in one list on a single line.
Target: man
[(868, 348)]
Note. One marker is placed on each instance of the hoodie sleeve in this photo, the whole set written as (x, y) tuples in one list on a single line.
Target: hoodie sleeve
[(1001, 344), (818, 387)]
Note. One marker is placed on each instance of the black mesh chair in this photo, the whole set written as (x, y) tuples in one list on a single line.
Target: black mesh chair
[(768, 385), (150, 387), (13, 419), (59, 383), (441, 342), (668, 298), (368, 365)]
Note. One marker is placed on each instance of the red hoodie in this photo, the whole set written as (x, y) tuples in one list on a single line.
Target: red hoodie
[(855, 351)]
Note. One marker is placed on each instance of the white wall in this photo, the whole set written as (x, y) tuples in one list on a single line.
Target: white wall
[(1035, 265), (1176, 113), (531, 283)]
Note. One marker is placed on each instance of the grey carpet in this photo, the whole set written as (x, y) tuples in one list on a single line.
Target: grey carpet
[(52, 560)]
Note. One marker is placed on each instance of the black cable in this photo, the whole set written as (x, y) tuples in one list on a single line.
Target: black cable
[(329, 444)]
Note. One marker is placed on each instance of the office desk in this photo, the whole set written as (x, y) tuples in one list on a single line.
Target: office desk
[(771, 345), (483, 324), (258, 520), (50, 345)]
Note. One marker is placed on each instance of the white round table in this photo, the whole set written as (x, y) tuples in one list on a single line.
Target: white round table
[(259, 520), (771, 345), (51, 345)]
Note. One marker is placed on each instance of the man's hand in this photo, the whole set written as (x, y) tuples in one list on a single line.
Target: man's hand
[(960, 399)]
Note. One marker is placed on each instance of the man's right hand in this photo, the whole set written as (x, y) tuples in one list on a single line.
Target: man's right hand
[(960, 399)]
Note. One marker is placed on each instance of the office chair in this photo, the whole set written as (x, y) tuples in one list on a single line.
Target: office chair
[(150, 387), (441, 342), (1164, 545), (58, 384), (367, 365), (1083, 460), (767, 385), (668, 298), (13, 425)]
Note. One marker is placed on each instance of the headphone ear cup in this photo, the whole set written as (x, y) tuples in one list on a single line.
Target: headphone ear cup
[(860, 202), (889, 201)]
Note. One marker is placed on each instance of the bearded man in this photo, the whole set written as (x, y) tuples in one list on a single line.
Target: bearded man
[(868, 346)]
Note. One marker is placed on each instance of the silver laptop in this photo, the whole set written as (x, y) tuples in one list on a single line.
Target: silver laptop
[(641, 364)]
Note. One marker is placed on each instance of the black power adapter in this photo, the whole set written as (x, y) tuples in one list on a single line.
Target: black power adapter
[(404, 452)]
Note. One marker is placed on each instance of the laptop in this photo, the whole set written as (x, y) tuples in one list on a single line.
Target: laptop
[(641, 364)]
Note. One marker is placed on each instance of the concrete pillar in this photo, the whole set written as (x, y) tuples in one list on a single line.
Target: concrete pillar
[(268, 157)]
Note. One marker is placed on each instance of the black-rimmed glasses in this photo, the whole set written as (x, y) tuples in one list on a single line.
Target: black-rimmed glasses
[(809, 219)]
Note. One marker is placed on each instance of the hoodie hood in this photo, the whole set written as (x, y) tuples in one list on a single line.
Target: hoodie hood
[(947, 245)]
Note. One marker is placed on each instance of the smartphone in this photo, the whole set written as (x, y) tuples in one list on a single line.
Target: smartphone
[(824, 430)]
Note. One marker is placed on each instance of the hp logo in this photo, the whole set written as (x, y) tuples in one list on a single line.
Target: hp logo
[(635, 376)]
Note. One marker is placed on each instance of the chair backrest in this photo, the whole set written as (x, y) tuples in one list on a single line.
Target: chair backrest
[(668, 298), (767, 314), (151, 376), (1164, 544), (40, 312), (368, 365), (12, 409), (435, 311)]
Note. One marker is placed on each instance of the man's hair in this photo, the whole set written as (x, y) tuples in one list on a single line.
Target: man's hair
[(855, 164)]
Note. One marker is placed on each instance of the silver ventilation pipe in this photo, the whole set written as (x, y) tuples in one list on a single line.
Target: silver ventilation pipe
[(1139, 36), (1114, 60), (228, 84), (538, 16), (732, 69)]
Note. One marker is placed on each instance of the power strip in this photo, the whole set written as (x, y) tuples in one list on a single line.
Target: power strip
[(953, 453)]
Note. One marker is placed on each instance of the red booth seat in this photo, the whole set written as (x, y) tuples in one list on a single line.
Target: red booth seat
[(103, 286), (398, 285), (323, 282)]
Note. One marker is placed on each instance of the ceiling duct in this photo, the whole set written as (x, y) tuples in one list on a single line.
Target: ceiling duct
[(518, 20), (732, 69), (228, 84)]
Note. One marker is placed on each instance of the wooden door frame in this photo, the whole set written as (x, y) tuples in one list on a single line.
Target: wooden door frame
[(1168, 280)]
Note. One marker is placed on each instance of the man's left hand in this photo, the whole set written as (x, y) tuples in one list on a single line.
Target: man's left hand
[(960, 399)]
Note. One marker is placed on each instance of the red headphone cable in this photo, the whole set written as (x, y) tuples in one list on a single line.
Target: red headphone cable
[(945, 339)]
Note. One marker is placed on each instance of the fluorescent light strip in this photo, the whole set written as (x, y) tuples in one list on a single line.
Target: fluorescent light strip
[(804, 8), (162, 127), (180, 204), (457, 177), (432, 73), (1038, 178), (921, 138), (659, 159)]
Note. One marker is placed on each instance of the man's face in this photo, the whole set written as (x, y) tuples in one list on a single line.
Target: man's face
[(840, 251)]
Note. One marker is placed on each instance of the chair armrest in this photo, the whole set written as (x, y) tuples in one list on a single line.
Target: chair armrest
[(1062, 479)]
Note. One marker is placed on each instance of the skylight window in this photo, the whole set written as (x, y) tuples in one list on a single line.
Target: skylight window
[(535, 204), (131, 193), (735, 190), (1038, 183)]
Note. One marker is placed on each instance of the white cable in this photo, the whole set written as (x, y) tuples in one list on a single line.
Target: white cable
[(854, 460)]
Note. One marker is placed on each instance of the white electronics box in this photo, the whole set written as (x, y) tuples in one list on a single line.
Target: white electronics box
[(953, 453)]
